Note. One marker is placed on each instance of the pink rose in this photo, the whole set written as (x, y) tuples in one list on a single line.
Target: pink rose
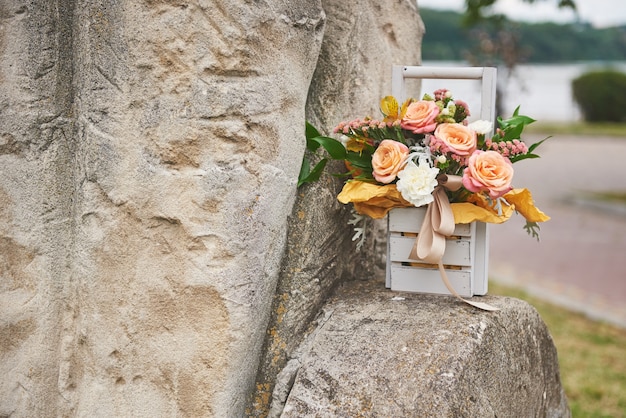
[(388, 159), (488, 171), (460, 139), (420, 117)]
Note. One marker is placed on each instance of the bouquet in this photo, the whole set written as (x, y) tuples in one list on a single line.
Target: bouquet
[(425, 152)]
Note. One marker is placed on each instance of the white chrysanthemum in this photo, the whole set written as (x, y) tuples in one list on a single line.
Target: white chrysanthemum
[(417, 182), (481, 127)]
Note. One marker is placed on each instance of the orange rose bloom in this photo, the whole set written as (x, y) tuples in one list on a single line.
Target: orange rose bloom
[(388, 159), (488, 171), (420, 117), (460, 139)]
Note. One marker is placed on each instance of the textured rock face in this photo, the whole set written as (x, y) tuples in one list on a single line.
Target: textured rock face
[(362, 40), (148, 157), (376, 356)]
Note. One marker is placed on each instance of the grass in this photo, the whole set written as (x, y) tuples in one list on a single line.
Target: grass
[(578, 128), (613, 197), (592, 358)]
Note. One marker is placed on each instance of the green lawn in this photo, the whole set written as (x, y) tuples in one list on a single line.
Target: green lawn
[(592, 357), (578, 128)]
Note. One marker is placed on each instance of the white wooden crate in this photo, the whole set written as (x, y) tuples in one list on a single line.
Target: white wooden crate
[(465, 258), (467, 255)]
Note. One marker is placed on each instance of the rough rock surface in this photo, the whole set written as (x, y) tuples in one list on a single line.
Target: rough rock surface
[(362, 39), (377, 353), (148, 157), (149, 151)]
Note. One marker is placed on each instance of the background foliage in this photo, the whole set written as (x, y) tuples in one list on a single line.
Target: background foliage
[(447, 39), (601, 96)]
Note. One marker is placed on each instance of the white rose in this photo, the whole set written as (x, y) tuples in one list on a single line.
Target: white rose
[(416, 183), (481, 127)]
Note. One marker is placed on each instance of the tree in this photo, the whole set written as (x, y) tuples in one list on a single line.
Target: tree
[(475, 10), (497, 38)]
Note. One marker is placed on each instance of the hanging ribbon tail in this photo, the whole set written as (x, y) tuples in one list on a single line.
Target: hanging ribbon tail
[(480, 305), (428, 246), (442, 216)]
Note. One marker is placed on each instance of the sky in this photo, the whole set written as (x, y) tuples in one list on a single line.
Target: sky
[(600, 13)]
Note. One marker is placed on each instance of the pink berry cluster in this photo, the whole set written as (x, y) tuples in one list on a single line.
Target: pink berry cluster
[(507, 148), (362, 126), (438, 147)]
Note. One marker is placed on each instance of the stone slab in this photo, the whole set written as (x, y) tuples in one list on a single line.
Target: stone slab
[(382, 353)]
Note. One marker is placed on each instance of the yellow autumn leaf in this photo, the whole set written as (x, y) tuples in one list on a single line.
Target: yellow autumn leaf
[(389, 107), (523, 202), (370, 199)]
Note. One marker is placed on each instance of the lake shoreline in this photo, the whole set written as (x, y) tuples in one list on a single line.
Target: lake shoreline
[(543, 91)]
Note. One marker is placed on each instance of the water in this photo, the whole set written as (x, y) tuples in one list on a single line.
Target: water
[(543, 91)]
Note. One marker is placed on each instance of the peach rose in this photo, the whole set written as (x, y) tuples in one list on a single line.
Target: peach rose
[(388, 159), (488, 171), (460, 139), (420, 117)]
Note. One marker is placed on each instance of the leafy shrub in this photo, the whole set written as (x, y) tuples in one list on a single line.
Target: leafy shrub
[(601, 96)]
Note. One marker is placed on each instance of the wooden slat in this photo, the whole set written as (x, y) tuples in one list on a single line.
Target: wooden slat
[(410, 279), (457, 251), (410, 220)]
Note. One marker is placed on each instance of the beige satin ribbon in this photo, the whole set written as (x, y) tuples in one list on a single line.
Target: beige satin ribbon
[(438, 224)]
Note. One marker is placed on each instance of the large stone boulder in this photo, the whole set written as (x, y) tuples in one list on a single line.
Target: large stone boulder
[(149, 152), (376, 353), (148, 157), (362, 40)]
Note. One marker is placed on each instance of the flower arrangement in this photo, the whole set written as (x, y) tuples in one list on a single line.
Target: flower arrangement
[(427, 147)]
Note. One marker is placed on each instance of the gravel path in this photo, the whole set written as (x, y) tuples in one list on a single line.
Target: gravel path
[(580, 261)]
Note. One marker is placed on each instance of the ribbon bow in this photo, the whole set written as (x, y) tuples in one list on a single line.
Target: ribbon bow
[(438, 224)]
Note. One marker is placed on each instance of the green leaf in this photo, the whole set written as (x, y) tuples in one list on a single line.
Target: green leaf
[(513, 132), (515, 120), (536, 144), (305, 169), (307, 176), (311, 132), (334, 148), (317, 171), (362, 160), (521, 157)]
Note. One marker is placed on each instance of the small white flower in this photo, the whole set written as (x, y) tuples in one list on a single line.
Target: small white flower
[(445, 111), (481, 127), (448, 94), (441, 159), (416, 183), (344, 140)]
